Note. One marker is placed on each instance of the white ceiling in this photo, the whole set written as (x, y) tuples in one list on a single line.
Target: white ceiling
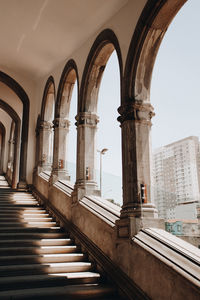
[(38, 34)]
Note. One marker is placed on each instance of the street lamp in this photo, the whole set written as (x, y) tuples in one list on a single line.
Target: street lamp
[(101, 152)]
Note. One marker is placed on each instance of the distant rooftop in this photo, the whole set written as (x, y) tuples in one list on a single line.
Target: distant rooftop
[(177, 142), (182, 220)]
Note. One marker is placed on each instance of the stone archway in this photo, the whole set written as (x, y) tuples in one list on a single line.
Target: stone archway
[(17, 128), (61, 121), (87, 118), (136, 110), (46, 135), (19, 91)]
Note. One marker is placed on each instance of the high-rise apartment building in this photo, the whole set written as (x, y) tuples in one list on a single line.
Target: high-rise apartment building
[(176, 179)]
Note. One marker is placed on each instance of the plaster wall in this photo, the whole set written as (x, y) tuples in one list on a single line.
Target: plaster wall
[(154, 274), (156, 278), (96, 229), (6, 121), (61, 200), (42, 185)]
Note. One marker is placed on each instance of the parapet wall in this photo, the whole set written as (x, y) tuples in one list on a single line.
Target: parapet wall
[(156, 262)]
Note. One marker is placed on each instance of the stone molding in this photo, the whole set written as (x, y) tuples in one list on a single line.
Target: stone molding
[(13, 141), (61, 123), (87, 119), (45, 125), (137, 111)]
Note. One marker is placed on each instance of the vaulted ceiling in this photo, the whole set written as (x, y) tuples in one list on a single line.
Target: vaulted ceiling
[(37, 35)]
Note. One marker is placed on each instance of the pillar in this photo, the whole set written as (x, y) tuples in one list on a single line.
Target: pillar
[(86, 154), (138, 210), (11, 145), (61, 130), (46, 146)]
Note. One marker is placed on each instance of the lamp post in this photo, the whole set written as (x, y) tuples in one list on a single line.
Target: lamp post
[(101, 152)]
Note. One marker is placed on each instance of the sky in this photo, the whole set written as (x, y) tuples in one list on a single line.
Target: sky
[(174, 92), (176, 79), (109, 131)]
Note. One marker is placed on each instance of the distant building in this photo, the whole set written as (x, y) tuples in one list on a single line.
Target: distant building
[(176, 179), (187, 230)]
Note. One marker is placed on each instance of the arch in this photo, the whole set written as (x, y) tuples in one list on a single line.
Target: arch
[(3, 134), (16, 119), (46, 126), (105, 43), (61, 121), (49, 89), (10, 111), (19, 91), (87, 119), (67, 81), (136, 111), (150, 30), (11, 153)]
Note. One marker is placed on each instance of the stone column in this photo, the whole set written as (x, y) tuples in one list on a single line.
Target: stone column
[(61, 130), (137, 206), (86, 154), (46, 146), (11, 145), (12, 150)]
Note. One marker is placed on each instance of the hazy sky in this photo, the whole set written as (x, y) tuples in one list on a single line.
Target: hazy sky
[(176, 79), (109, 131), (174, 91)]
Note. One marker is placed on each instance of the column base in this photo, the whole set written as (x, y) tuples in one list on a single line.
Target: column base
[(59, 175), (42, 168), (132, 221), (22, 185), (147, 210), (85, 188)]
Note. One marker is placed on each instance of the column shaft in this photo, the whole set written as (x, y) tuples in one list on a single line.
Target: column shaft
[(136, 160), (86, 149), (60, 168), (46, 146)]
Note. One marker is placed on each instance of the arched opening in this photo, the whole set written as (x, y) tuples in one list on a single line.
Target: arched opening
[(136, 110), (46, 127), (62, 169), (87, 118), (12, 173), (20, 92), (11, 152), (72, 145), (109, 168), (174, 95)]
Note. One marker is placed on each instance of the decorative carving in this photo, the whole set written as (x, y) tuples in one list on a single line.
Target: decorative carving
[(136, 110), (61, 123), (45, 125), (87, 118)]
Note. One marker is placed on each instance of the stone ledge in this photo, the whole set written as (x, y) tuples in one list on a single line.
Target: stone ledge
[(183, 257)]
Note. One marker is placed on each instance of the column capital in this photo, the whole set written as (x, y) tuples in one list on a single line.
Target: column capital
[(136, 110), (12, 141), (45, 125), (61, 123), (87, 118)]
